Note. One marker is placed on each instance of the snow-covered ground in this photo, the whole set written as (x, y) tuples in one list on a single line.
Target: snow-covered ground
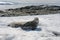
[(47, 25)]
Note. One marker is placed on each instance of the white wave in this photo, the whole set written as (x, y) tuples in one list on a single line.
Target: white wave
[(7, 3)]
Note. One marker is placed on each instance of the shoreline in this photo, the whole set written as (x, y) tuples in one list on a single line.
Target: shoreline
[(30, 10)]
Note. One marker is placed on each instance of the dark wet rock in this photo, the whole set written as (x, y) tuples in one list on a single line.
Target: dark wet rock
[(2, 15), (56, 33), (31, 10), (41, 7), (33, 7), (1, 11), (53, 8)]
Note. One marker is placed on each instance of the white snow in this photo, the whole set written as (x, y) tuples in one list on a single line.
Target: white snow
[(47, 25)]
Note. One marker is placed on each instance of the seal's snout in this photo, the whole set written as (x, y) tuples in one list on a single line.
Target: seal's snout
[(8, 25)]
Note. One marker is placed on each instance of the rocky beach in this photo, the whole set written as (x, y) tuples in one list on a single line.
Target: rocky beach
[(30, 10)]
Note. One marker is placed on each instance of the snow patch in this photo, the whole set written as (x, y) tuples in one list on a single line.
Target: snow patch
[(47, 25)]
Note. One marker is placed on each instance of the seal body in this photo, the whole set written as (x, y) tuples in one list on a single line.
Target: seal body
[(30, 25), (16, 24)]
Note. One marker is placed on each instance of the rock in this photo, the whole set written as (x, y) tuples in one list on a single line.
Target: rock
[(56, 33), (1, 11), (31, 10)]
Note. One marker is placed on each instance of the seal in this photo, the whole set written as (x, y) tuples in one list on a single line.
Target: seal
[(30, 25)]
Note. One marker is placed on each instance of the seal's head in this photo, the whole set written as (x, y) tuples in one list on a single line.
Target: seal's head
[(36, 20)]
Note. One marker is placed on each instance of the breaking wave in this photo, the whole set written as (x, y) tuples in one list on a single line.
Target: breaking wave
[(7, 3)]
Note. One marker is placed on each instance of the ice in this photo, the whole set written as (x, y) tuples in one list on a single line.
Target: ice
[(47, 25)]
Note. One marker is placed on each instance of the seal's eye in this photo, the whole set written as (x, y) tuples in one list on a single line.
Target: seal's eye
[(36, 18)]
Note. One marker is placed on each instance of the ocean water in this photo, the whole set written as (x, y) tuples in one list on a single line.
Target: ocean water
[(6, 4)]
